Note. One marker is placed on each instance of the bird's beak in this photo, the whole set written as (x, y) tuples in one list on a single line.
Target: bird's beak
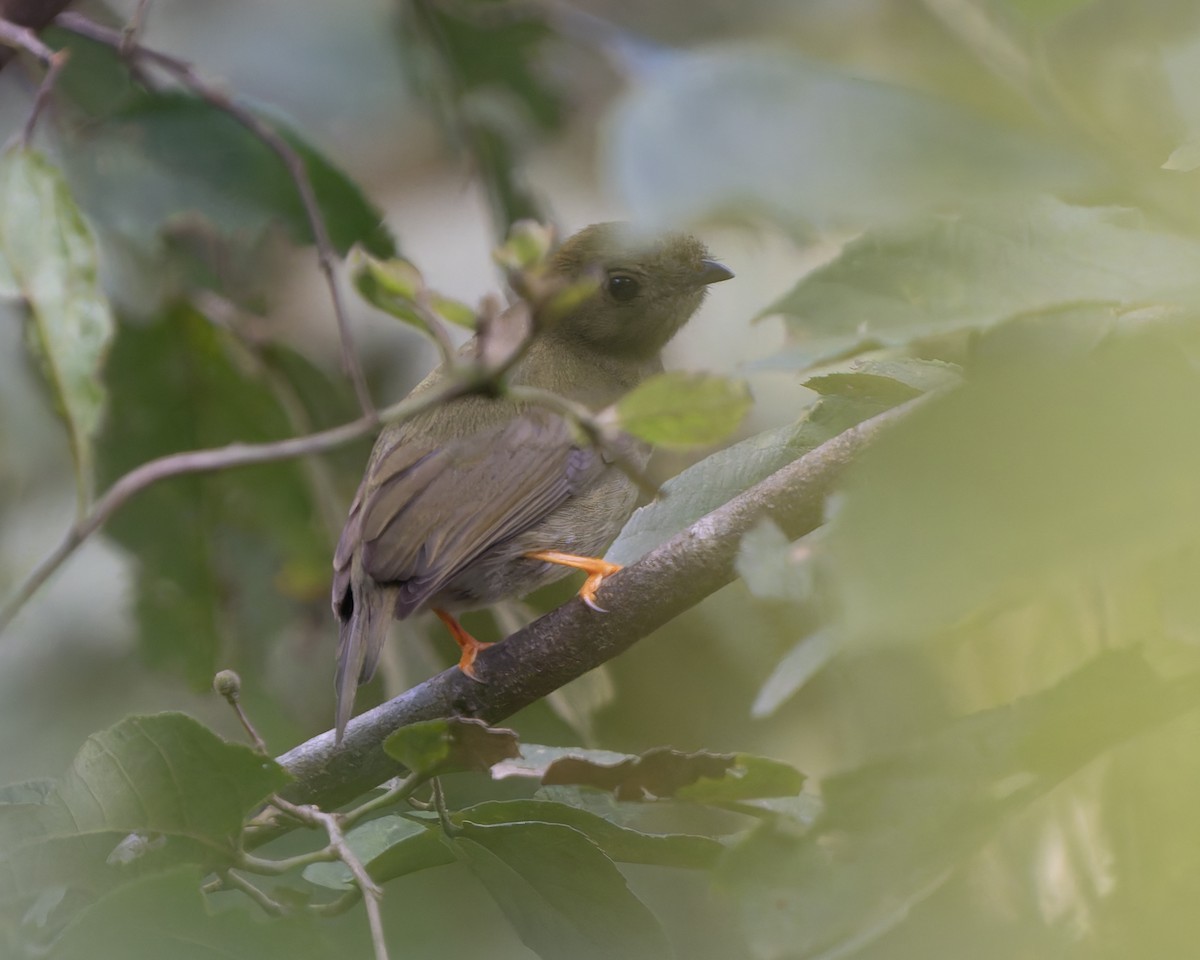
[(713, 272)]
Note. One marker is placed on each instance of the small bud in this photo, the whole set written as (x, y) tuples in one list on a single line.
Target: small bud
[(528, 244), (228, 685)]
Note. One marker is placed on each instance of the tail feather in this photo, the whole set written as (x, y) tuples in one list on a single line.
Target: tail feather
[(360, 642)]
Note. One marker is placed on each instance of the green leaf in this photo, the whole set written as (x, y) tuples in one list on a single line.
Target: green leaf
[(166, 916), (165, 777), (564, 897), (680, 411), (619, 843), (49, 257), (215, 552), (892, 380), (1013, 482), (895, 830), (798, 666), (169, 153), (706, 485), (970, 272), (807, 144), (368, 842), (452, 744)]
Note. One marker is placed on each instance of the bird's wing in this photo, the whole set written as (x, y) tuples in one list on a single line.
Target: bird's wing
[(425, 512)]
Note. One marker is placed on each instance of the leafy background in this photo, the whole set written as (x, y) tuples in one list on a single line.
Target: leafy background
[(984, 663)]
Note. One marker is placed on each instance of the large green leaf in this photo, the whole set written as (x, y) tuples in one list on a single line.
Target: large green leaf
[(770, 133), (165, 778), (216, 553), (166, 916), (50, 261), (395, 846), (895, 285), (680, 411), (563, 896)]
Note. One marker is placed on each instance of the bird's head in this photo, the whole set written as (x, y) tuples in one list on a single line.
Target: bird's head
[(648, 287)]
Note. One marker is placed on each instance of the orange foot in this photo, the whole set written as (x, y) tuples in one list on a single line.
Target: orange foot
[(594, 567), (468, 644)]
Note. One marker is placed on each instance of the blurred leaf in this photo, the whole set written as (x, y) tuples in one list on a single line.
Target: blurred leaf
[(1045, 13), (578, 702), (1185, 157), (657, 773), (526, 247), (1014, 480), (168, 154), (805, 144), (452, 744), (679, 411), (564, 897), (397, 288), (477, 67), (166, 778), (716, 479), (893, 380), (50, 258), (770, 565), (166, 916), (210, 548), (893, 286), (893, 831), (799, 666)]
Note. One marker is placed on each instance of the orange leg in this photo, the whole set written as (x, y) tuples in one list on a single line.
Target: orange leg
[(469, 645), (594, 567)]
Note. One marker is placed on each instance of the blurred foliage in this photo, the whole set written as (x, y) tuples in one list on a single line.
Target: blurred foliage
[(985, 662)]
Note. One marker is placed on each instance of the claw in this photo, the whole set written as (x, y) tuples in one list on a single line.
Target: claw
[(594, 567)]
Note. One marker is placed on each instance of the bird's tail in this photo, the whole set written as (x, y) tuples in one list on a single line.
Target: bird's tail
[(365, 620)]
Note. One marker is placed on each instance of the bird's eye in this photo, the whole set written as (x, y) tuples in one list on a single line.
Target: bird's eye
[(622, 287)]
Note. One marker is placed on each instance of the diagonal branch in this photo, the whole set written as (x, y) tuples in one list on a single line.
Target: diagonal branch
[(568, 642)]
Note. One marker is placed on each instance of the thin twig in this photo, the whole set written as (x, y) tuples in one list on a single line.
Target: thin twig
[(228, 686), (133, 29), (371, 891), (233, 880), (22, 38), (207, 461), (402, 789), (186, 74)]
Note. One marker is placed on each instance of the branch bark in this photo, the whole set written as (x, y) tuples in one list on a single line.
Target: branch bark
[(568, 642)]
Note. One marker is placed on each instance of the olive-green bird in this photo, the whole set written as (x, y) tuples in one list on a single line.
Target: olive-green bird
[(485, 498)]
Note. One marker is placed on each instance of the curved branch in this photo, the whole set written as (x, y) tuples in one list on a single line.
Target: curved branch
[(185, 73), (568, 642)]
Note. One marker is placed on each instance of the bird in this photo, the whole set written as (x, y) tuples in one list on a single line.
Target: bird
[(484, 498)]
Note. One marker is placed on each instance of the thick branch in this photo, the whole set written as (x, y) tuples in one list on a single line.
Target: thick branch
[(568, 642)]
